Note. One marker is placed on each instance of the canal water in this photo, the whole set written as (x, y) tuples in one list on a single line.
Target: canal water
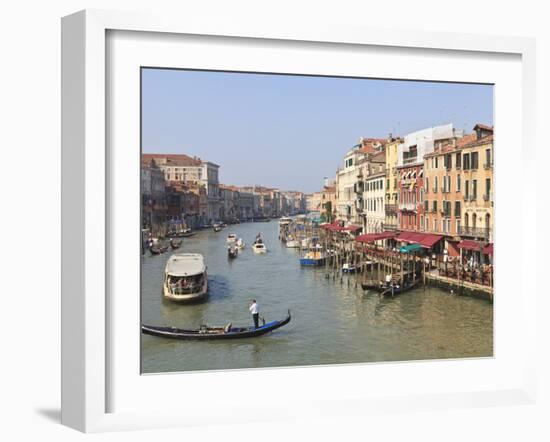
[(333, 322)]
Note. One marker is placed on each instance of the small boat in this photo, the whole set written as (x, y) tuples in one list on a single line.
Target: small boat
[(285, 221), (371, 285), (157, 248), (240, 243), (313, 259), (217, 227), (261, 219), (175, 243), (185, 278), (348, 268), (231, 238), (210, 333), (232, 252), (292, 243), (397, 289), (186, 233), (259, 247)]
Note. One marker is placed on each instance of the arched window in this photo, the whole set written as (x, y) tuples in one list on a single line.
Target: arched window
[(474, 220), (487, 222), (466, 220)]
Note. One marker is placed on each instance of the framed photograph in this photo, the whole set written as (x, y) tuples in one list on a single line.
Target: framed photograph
[(306, 219)]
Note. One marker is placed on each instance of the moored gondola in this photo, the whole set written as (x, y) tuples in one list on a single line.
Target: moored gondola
[(397, 289), (211, 333)]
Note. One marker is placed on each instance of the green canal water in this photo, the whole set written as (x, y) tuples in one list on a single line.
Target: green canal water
[(332, 322)]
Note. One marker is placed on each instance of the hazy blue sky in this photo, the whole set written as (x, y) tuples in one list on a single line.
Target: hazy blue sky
[(291, 131)]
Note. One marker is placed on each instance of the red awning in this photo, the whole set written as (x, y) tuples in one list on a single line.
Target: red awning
[(426, 240), (470, 244), (488, 249), (337, 228), (371, 237)]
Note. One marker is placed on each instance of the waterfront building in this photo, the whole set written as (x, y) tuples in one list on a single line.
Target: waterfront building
[(391, 190), (373, 197), (182, 168), (229, 210), (410, 169), (477, 172), (313, 202), (153, 198), (328, 203), (349, 179)]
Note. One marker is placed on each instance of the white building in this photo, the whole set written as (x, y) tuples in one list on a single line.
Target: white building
[(374, 189)]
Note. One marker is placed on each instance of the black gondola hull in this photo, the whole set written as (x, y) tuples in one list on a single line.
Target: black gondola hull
[(196, 335)]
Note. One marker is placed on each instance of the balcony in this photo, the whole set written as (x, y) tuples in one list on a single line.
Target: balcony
[(391, 209), (407, 161), (407, 207), (390, 227), (488, 166), (475, 232)]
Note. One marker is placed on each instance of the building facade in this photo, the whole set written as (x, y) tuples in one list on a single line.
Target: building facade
[(391, 190)]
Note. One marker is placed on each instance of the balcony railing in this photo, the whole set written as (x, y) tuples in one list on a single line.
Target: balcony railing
[(390, 227), (391, 208), (409, 207), (487, 166), (476, 232), (412, 160)]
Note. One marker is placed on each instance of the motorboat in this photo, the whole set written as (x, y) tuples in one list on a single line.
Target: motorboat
[(240, 243), (313, 259), (232, 251), (185, 278), (175, 243), (348, 268), (292, 243), (285, 221), (231, 238), (259, 247)]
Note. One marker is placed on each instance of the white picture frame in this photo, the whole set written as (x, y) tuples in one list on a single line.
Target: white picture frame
[(86, 352)]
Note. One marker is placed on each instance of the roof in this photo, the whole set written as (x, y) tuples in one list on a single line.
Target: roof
[(426, 240), (172, 159), (185, 264), (483, 127)]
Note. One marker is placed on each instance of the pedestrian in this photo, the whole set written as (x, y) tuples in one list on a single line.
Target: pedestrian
[(254, 310)]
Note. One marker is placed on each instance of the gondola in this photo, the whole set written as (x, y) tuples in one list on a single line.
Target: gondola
[(211, 333), (157, 249), (175, 243), (372, 285), (392, 291)]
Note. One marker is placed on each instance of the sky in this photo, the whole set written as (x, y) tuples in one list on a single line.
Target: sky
[(288, 131)]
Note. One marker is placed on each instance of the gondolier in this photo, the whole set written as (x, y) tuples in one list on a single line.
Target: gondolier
[(255, 314)]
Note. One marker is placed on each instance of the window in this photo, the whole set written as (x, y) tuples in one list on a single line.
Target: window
[(475, 156), (435, 225), (458, 183), (487, 157), (458, 225), (426, 206), (448, 161), (487, 188), (436, 163), (457, 209), (474, 189), (466, 189), (449, 183), (458, 157), (435, 184), (466, 161), (435, 206), (427, 185)]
